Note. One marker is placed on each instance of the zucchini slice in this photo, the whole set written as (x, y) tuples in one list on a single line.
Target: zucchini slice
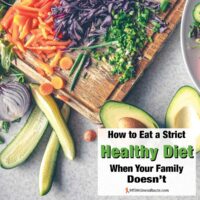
[(48, 105), (196, 13), (48, 164), (26, 140)]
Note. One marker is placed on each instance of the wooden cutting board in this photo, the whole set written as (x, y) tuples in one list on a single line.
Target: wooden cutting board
[(100, 85)]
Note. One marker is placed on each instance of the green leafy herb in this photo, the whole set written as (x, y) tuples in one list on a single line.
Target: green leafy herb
[(18, 75), (7, 55), (5, 126), (1, 140), (131, 36)]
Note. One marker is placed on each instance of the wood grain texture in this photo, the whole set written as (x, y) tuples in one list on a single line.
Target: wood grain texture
[(100, 85)]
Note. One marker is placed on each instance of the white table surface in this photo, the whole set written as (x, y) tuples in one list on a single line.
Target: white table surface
[(77, 180)]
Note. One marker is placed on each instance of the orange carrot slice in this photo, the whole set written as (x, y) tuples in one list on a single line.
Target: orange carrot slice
[(57, 82), (46, 89), (66, 63)]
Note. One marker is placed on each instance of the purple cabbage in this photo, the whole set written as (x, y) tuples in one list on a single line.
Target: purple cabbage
[(85, 21)]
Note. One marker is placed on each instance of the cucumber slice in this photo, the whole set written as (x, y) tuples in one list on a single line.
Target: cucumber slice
[(48, 164), (50, 109), (196, 13), (26, 140)]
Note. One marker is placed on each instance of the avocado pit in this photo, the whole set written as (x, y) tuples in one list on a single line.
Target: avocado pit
[(128, 122)]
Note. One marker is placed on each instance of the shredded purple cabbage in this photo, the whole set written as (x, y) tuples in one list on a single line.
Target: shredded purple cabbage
[(84, 21)]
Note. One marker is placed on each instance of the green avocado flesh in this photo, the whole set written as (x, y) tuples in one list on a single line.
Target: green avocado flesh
[(111, 112), (184, 111)]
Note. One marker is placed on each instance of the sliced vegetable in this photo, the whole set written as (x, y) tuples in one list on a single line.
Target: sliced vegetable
[(196, 13), (76, 63), (15, 101), (50, 109), (46, 89), (66, 63), (78, 72), (48, 164), (57, 82), (26, 140)]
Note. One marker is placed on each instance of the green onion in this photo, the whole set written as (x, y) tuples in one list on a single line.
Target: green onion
[(5, 126), (164, 5), (95, 46), (77, 74), (76, 63), (1, 140)]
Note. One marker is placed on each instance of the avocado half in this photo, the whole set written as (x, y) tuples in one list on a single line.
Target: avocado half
[(184, 111), (112, 111)]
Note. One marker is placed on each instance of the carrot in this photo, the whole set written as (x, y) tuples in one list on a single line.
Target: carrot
[(54, 62), (15, 32), (49, 20), (6, 22), (24, 8), (59, 43), (66, 63), (30, 41), (43, 31), (26, 29), (51, 55), (44, 57), (20, 46), (50, 37), (46, 8), (43, 48), (27, 14), (63, 98), (40, 3), (48, 70), (27, 2), (35, 23), (19, 20), (57, 82), (46, 89), (40, 71), (19, 54)]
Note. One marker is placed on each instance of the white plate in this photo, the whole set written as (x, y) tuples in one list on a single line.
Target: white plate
[(191, 56)]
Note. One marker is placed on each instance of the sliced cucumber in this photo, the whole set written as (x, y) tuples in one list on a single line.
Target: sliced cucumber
[(26, 140), (48, 164), (196, 13), (50, 109)]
